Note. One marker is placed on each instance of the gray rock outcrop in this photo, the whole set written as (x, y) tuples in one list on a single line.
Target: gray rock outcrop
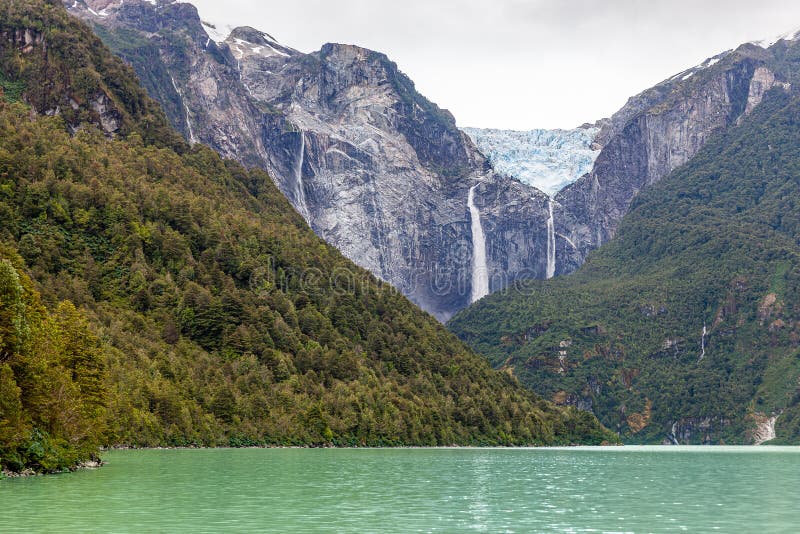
[(657, 132), (374, 167), (384, 174)]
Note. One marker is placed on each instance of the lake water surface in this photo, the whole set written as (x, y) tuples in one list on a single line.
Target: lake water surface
[(615, 489)]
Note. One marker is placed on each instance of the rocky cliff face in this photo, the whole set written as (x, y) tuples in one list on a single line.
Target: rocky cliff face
[(91, 103), (194, 78), (383, 174), (657, 132), (375, 168)]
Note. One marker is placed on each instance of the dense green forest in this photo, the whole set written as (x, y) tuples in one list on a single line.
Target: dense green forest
[(154, 294), (52, 369), (713, 246)]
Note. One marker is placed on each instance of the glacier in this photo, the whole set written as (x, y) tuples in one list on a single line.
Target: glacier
[(548, 160)]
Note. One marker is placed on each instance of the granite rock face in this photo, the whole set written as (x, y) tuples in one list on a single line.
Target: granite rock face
[(376, 169), (657, 132), (384, 174)]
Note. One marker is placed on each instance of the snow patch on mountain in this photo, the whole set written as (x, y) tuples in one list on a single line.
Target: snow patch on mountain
[(217, 32), (707, 64), (767, 43), (546, 159)]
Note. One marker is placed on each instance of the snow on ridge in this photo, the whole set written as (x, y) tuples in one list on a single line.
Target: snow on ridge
[(546, 159), (707, 64), (214, 33), (264, 50), (113, 6), (221, 33), (270, 38), (767, 43)]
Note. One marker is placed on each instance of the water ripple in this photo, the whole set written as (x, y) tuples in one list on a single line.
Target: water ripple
[(630, 489)]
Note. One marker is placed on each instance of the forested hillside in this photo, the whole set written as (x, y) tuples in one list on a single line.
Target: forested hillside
[(686, 327), (189, 304), (52, 370)]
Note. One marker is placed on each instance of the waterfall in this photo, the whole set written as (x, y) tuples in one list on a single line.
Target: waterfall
[(672, 436), (299, 189), (551, 242), (480, 271), (192, 138), (703, 343), (568, 240)]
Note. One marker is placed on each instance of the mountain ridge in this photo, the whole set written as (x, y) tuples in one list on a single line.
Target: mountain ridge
[(380, 172), (384, 175), (219, 317), (681, 328)]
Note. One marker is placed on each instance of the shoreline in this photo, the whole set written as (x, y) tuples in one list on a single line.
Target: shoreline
[(27, 473), (96, 464), (376, 447)]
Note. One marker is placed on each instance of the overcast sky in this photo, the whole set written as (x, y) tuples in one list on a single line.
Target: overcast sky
[(521, 64)]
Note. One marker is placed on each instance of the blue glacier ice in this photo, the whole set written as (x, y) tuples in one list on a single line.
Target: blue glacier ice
[(546, 159)]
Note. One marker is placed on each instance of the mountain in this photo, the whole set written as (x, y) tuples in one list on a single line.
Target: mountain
[(548, 160), (683, 328), (472, 228), (656, 132), (152, 293), (376, 169), (385, 175)]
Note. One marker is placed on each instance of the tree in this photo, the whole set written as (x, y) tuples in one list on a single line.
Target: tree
[(14, 329)]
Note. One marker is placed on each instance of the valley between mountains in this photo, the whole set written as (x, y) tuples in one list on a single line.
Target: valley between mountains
[(454, 215), (210, 238), (155, 294), (384, 175)]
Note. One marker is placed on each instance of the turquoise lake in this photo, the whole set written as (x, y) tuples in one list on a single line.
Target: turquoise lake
[(614, 489)]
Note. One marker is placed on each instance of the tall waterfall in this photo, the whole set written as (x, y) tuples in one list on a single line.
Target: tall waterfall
[(551, 242), (480, 271), (703, 343), (299, 189), (192, 138)]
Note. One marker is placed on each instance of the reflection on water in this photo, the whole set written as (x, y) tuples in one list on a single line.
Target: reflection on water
[(630, 489)]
